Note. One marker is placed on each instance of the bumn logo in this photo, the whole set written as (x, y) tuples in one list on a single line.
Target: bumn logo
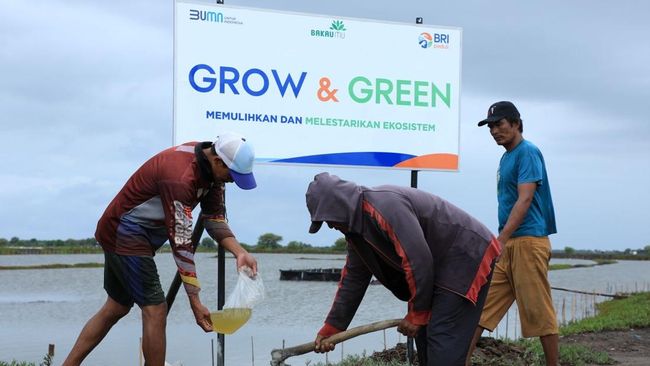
[(206, 16)]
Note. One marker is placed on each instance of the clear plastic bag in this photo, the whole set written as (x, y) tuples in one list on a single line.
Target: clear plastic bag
[(248, 291), (238, 308)]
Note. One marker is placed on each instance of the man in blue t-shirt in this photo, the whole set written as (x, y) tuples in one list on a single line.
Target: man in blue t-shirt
[(526, 218)]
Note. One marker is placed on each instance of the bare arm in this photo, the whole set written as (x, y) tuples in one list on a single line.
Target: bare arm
[(243, 257), (525, 192)]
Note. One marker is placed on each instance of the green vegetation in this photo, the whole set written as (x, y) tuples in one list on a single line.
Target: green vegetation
[(266, 243), (599, 262), (554, 267), (362, 361), (272, 243), (627, 254), (632, 312), (47, 361), (55, 266), (578, 355)]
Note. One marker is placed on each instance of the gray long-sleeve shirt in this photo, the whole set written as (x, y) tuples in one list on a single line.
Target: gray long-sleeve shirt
[(410, 240)]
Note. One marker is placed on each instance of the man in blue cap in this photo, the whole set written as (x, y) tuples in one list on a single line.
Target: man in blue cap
[(155, 205)]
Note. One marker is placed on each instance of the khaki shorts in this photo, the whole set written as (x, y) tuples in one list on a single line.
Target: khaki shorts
[(522, 275)]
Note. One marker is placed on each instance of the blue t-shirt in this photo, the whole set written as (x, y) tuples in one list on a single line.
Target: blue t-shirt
[(525, 164)]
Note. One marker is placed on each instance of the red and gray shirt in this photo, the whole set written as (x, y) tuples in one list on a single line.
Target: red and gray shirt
[(156, 203)]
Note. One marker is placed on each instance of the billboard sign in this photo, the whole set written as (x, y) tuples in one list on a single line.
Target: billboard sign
[(318, 90)]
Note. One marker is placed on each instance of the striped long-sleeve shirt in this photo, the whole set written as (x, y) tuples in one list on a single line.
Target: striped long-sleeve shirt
[(156, 203)]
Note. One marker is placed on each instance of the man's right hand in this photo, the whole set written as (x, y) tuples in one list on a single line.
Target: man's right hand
[(201, 313), (322, 345)]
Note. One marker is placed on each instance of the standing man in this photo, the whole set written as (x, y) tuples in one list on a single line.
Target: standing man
[(425, 250), (155, 205), (526, 219)]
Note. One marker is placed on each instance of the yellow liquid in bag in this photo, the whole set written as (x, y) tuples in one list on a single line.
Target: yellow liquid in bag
[(227, 321)]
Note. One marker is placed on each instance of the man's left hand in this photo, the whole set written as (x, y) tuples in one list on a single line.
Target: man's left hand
[(407, 328), (246, 259)]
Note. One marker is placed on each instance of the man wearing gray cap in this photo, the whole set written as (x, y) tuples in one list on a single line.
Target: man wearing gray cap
[(155, 205), (526, 219)]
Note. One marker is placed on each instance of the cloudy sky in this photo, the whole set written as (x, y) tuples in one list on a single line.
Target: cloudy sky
[(86, 96)]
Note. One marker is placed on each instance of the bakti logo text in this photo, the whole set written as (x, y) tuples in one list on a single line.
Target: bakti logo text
[(336, 30)]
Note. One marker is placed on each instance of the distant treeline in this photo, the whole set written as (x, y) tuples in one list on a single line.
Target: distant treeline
[(271, 243), (266, 243), (627, 254)]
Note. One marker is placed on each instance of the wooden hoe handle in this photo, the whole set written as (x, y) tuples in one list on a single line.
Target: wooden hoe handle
[(279, 355)]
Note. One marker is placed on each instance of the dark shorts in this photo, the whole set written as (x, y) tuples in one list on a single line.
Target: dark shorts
[(132, 279)]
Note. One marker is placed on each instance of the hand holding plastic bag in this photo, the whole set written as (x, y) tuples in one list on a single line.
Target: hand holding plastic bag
[(248, 292)]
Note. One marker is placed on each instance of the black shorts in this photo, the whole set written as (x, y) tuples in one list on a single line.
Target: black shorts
[(132, 279)]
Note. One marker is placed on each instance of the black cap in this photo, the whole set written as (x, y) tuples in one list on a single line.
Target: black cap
[(499, 111)]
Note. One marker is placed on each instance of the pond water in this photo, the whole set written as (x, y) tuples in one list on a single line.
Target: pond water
[(42, 307)]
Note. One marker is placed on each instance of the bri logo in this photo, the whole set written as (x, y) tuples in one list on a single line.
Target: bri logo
[(437, 40), (206, 16)]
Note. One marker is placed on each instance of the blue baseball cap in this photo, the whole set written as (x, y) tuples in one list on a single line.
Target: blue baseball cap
[(238, 155)]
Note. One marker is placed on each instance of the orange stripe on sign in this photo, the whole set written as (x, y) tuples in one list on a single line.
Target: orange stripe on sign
[(434, 161)]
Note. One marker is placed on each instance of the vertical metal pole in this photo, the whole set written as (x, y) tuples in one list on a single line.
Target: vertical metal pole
[(414, 178), (221, 299), (409, 340), (212, 349)]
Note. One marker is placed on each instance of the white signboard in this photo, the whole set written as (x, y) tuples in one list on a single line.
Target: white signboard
[(309, 89)]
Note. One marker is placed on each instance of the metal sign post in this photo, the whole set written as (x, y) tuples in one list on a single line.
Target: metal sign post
[(409, 340)]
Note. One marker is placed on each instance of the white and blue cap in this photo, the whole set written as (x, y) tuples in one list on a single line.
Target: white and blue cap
[(238, 155)]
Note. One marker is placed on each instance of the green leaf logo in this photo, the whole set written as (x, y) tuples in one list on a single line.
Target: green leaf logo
[(337, 25)]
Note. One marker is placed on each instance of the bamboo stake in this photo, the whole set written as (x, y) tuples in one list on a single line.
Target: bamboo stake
[(516, 312), (507, 323), (573, 308), (279, 355)]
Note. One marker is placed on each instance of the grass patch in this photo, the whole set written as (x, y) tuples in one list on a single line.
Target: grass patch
[(554, 267), (622, 314), (47, 361), (580, 355), (353, 360), (54, 266), (598, 262), (632, 312)]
